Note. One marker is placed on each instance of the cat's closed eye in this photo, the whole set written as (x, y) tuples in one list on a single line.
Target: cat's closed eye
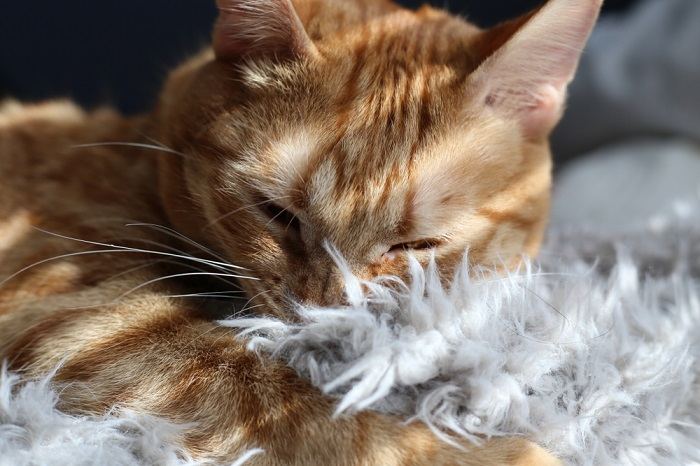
[(419, 245)]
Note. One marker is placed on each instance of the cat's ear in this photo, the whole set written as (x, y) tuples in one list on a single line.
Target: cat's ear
[(531, 62), (255, 28)]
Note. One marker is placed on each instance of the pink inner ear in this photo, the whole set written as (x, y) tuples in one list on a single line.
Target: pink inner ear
[(527, 77), (545, 112), (260, 28)]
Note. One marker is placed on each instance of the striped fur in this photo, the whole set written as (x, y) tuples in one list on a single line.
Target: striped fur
[(357, 124)]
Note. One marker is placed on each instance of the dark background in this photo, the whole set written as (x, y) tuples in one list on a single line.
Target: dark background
[(118, 51)]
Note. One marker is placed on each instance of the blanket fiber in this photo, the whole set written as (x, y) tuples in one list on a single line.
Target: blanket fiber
[(592, 352)]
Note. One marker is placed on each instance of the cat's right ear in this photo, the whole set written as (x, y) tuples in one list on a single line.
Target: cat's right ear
[(260, 28), (531, 61)]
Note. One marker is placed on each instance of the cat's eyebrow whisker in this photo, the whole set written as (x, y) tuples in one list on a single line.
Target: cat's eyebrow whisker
[(145, 251), (137, 145), (246, 207)]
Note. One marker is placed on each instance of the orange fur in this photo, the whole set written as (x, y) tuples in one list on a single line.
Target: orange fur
[(379, 130)]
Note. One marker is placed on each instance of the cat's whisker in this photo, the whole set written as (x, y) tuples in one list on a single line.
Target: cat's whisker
[(158, 143), (246, 307), (279, 214), (171, 248), (239, 292), (201, 295), (137, 145), (208, 331), (147, 264), (176, 234), (179, 264), (240, 209), (163, 229), (114, 250), (234, 295), (249, 308), (143, 251), (294, 217), (150, 242), (178, 275), (55, 258)]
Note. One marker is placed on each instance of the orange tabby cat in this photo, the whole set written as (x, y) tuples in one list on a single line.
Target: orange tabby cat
[(314, 124)]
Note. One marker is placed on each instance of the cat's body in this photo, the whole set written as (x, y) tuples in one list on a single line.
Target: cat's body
[(347, 115)]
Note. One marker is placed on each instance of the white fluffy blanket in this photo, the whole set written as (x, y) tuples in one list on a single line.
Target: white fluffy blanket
[(592, 352)]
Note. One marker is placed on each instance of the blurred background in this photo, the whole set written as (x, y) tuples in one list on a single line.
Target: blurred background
[(118, 51), (627, 147)]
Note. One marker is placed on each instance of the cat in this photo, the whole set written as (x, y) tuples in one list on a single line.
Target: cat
[(311, 128)]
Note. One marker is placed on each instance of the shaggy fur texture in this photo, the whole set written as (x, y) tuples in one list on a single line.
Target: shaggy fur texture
[(598, 363), (33, 432), (597, 360)]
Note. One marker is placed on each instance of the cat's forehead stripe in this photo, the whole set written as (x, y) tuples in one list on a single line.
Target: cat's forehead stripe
[(393, 86)]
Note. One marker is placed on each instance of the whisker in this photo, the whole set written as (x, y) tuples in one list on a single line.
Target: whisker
[(62, 256), (156, 142), (280, 213), (245, 306), (294, 217), (176, 234), (246, 309), (178, 275), (137, 268), (169, 232), (184, 254), (201, 295), (113, 250), (137, 145), (146, 251), (224, 292), (246, 207), (180, 264)]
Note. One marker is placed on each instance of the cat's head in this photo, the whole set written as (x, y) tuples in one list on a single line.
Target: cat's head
[(378, 130)]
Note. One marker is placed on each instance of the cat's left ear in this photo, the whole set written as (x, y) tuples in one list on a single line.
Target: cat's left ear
[(260, 28), (535, 59)]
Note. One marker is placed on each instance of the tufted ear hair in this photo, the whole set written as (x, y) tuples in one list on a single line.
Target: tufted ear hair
[(533, 60), (260, 28)]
